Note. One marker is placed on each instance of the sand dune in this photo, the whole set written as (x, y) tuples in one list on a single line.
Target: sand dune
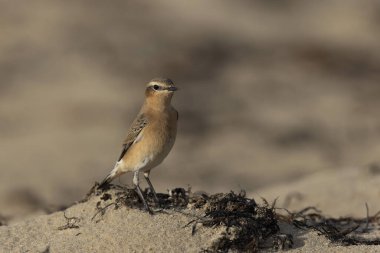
[(105, 223)]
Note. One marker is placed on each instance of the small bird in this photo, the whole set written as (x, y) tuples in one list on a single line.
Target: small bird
[(150, 137)]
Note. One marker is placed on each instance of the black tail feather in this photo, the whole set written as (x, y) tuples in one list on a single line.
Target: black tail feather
[(105, 182)]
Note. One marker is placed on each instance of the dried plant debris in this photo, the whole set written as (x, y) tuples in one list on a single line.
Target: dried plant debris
[(249, 227), (344, 231), (177, 198), (71, 222)]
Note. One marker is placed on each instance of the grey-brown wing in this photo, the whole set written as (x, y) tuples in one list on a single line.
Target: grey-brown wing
[(137, 126)]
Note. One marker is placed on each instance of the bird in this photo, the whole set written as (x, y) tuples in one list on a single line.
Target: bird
[(150, 138)]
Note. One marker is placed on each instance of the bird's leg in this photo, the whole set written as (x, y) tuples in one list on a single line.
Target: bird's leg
[(146, 175), (138, 190)]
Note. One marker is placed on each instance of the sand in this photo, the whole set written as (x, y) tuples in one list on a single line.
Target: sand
[(279, 98), (126, 229), (121, 230), (337, 193)]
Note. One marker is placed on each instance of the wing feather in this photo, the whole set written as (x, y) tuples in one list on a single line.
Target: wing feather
[(137, 126)]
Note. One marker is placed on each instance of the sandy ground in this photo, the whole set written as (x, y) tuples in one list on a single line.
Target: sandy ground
[(312, 242), (122, 230), (279, 98), (335, 193), (132, 230)]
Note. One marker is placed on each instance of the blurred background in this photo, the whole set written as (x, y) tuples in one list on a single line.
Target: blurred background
[(271, 92)]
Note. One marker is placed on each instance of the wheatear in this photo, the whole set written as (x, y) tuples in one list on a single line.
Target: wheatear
[(150, 137)]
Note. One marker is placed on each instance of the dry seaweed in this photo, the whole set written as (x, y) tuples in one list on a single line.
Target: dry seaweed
[(249, 227), (71, 222), (177, 199), (344, 231)]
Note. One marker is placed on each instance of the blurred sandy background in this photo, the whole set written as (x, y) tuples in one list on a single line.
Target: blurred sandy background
[(271, 92)]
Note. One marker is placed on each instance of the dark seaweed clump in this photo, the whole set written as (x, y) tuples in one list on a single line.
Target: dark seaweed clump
[(249, 227), (345, 231), (177, 198)]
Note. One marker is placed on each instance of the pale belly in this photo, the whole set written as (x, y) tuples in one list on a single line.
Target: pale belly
[(156, 159)]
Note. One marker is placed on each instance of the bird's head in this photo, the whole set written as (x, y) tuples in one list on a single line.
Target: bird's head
[(160, 90)]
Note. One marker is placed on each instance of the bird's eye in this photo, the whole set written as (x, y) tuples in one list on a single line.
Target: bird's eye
[(156, 87)]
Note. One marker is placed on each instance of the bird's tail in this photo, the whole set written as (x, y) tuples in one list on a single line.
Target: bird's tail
[(109, 178), (106, 181)]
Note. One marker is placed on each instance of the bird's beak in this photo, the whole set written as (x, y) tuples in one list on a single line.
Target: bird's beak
[(172, 88)]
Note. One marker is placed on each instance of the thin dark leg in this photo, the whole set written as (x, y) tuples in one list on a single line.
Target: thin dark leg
[(138, 190), (146, 175)]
